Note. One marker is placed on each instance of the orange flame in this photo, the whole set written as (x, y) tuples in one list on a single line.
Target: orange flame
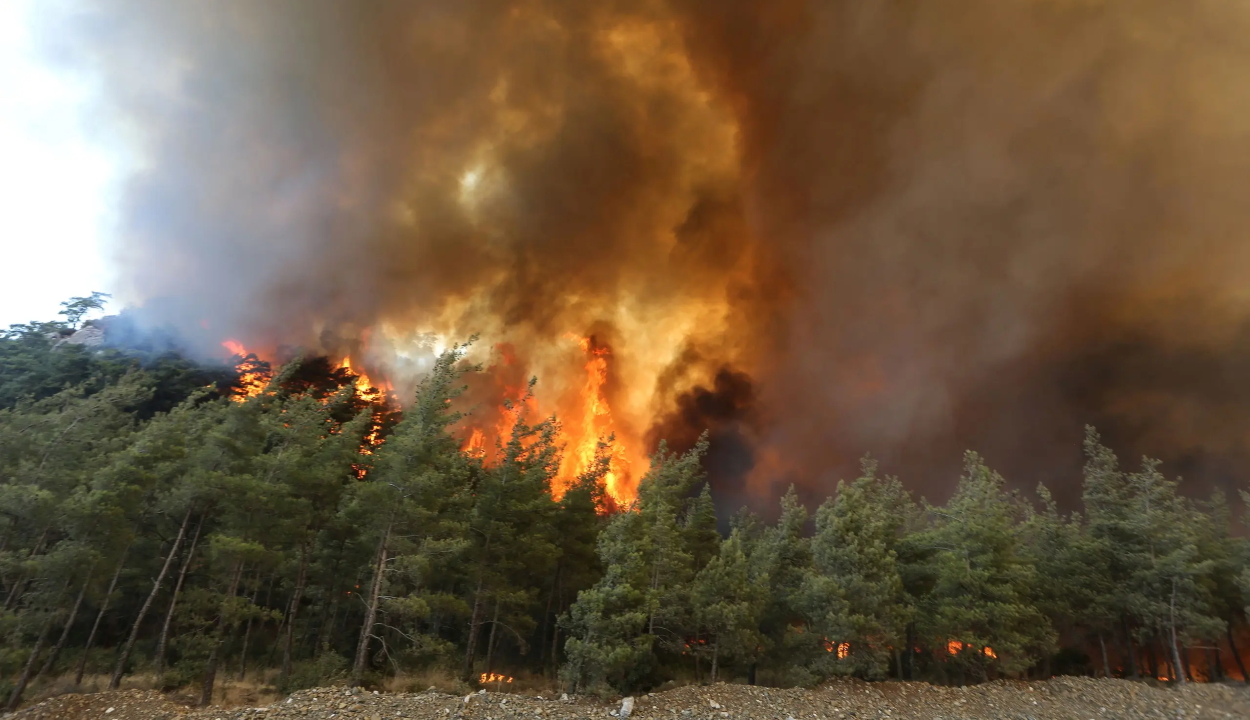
[(954, 647), (842, 649), (476, 444), (252, 378), (493, 678), (596, 424), (373, 395)]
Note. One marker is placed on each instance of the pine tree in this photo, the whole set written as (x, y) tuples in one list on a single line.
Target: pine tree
[(854, 595), (980, 610), (728, 601), (417, 474), (783, 555), (641, 607)]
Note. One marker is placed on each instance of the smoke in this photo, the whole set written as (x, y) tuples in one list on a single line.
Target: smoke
[(817, 228)]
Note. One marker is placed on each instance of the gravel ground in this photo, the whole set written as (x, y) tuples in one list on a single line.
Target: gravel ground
[(1066, 698)]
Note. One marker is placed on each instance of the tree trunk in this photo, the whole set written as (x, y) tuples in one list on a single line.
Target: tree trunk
[(490, 642), (214, 655), (16, 697), (69, 623), (715, 658), (371, 615), (247, 633), (163, 642), (475, 621), (1131, 654), (1106, 664), (104, 606), (548, 618), (1232, 645), (19, 584), (288, 642), (120, 667), (1176, 651), (555, 651), (1152, 659), (911, 650)]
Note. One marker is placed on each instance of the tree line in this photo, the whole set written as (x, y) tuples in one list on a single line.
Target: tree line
[(156, 518)]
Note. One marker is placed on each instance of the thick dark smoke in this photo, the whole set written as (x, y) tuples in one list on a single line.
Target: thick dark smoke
[(903, 227)]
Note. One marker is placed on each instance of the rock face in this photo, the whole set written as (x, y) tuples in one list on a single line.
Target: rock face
[(1078, 698), (91, 336)]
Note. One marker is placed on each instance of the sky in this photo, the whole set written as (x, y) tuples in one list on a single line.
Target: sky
[(56, 179)]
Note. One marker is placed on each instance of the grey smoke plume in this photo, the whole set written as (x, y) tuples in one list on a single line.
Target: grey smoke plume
[(912, 227)]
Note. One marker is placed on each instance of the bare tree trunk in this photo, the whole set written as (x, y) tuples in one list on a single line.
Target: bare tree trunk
[(69, 623), (1106, 664), (547, 620), (1128, 642), (490, 642), (371, 615), (19, 584), (1232, 645), (1152, 659), (555, 651), (475, 620), (288, 642), (247, 633), (120, 667), (214, 656), (104, 606), (1176, 652), (15, 698), (163, 642), (715, 658), (698, 655)]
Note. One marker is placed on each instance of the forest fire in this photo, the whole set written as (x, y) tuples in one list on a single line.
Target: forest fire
[(254, 375), (596, 425), (842, 649), (587, 407), (584, 411), (954, 647)]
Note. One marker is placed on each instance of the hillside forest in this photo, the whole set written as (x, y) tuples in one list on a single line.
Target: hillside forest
[(161, 517)]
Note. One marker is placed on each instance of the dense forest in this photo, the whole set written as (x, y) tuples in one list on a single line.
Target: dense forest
[(184, 522)]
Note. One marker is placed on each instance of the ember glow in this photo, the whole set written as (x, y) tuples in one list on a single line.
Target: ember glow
[(954, 647)]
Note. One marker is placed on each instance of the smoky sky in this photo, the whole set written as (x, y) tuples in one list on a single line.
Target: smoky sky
[(900, 227)]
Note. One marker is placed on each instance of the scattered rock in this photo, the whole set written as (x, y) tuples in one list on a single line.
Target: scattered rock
[(1079, 698)]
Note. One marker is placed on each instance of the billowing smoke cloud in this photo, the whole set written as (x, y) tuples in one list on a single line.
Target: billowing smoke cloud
[(903, 227)]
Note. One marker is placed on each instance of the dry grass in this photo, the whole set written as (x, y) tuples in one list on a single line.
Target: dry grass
[(63, 684), (255, 690), (258, 688), (447, 682)]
